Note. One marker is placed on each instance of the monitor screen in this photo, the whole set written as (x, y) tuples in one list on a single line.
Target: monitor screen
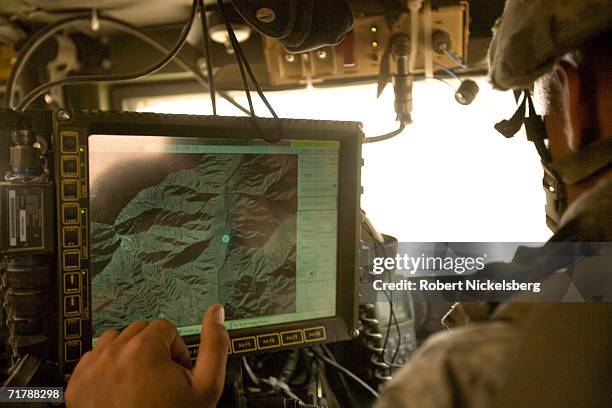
[(177, 224)]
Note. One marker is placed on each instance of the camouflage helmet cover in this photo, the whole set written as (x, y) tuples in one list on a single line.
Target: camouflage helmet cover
[(532, 35)]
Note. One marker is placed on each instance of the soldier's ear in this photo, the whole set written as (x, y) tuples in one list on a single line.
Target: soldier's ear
[(575, 112)]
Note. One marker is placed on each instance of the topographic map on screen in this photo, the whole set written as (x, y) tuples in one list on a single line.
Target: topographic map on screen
[(172, 233)]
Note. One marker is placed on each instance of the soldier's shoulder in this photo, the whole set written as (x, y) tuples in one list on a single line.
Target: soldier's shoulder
[(474, 342), (466, 365)]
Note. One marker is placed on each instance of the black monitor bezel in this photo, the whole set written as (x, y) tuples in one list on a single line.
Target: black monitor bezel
[(85, 123)]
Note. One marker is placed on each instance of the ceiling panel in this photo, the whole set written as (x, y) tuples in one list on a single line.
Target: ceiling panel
[(161, 12)]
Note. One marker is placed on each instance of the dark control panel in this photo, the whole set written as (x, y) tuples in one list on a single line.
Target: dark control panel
[(73, 253), (271, 341), (45, 214), (396, 347), (361, 52)]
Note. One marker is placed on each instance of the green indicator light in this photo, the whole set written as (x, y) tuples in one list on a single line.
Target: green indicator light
[(82, 211), (82, 149), (225, 238), (373, 29)]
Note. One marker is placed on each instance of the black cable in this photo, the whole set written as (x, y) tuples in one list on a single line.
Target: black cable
[(392, 315), (346, 371), (397, 328), (392, 318), (209, 63), (118, 77), (243, 64), (386, 136), (235, 47), (27, 51), (41, 36), (198, 76), (252, 75), (340, 374)]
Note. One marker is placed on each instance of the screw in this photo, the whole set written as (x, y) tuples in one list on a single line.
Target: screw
[(289, 58), (107, 64), (265, 15), (64, 116), (322, 54), (355, 333)]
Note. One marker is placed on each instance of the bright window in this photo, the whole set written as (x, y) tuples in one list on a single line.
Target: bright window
[(448, 177)]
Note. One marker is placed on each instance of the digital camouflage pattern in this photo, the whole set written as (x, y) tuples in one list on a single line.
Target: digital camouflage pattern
[(483, 360), (468, 365), (532, 35), (462, 368)]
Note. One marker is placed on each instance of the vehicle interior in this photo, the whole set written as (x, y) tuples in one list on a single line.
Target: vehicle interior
[(392, 104)]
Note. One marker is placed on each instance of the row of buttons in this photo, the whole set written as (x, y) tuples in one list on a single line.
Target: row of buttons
[(71, 242), (74, 233), (273, 340), (73, 346), (73, 167), (74, 312), (270, 340)]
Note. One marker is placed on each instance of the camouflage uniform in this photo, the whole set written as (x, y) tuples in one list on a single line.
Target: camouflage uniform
[(472, 364), (534, 34), (468, 365)]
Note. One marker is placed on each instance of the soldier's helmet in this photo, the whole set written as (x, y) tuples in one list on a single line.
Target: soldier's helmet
[(532, 35), (529, 38)]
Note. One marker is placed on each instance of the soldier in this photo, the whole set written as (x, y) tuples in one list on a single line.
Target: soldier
[(538, 354), (523, 354), (148, 365)]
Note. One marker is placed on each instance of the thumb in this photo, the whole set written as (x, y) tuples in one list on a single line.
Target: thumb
[(209, 370)]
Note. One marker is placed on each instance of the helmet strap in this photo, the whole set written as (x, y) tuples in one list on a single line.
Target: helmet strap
[(570, 170)]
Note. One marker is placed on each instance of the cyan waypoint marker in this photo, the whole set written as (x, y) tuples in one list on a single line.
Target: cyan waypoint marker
[(225, 238)]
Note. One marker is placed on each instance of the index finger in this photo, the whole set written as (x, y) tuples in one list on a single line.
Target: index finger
[(209, 370), (165, 334)]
